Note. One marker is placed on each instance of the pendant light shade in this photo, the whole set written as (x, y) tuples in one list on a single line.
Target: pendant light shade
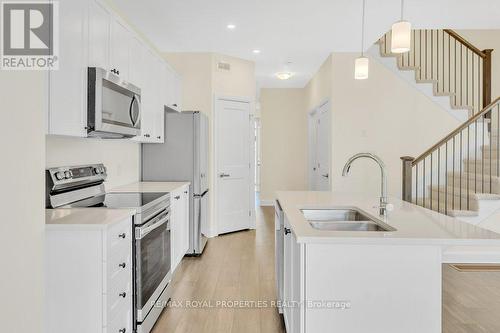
[(361, 66), (401, 34), (401, 37), (361, 63)]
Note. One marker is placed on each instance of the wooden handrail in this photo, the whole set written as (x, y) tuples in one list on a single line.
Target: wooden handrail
[(456, 131), (466, 43)]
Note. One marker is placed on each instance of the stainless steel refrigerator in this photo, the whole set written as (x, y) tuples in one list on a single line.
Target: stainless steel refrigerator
[(183, 157)]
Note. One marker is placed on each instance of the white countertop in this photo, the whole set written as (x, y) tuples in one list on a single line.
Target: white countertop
[(85, 217), (414, 225), (150, 187)]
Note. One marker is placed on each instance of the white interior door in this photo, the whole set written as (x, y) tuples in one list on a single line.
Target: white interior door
[(320, 148), (232, 149)]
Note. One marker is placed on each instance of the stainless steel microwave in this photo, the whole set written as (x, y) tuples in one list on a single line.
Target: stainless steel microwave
[(113, 106)]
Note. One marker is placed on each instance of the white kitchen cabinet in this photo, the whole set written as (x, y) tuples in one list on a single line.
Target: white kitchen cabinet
[(67, 108), (179, 205), (120, 40), (89, 278), (351, 287), (99, 32), (94, 36), (173, 92), (177, 88), (293, 282)]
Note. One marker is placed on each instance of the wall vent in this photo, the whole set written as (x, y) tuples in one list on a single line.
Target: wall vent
[(223, 66)]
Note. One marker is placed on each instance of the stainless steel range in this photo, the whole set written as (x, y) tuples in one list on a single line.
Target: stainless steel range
[(83, 186)]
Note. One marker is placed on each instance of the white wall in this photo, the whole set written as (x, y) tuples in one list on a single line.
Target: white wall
[(487, 39), (22, 201), (121, 157), (382, 115), (201, 82), (284, 141)]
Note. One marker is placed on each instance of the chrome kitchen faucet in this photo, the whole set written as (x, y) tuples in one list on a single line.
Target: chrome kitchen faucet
[(383, 185)]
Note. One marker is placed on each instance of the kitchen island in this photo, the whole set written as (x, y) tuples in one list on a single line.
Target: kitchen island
[(371, 281)]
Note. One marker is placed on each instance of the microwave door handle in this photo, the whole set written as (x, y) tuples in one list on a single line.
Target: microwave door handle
[(142, 232), (135, 100)]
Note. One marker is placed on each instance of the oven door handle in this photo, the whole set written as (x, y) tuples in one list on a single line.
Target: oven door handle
[(140, 233)]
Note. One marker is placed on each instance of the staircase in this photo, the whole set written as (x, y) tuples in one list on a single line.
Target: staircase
[(460, 175), (444, 67)]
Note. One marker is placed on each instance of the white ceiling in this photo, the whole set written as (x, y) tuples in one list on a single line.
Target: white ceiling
[(304, 32)]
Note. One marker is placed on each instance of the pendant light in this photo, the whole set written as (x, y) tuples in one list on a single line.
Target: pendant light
[(361, 63), (401, 34)]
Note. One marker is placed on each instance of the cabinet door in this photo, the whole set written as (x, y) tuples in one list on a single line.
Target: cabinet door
[(68, 84), (169, 86), (287, 277), (176, 231), (177, 92), (159, 111), (99, 35), (147, 98), (136, 66), (119, 48), (185, 220)]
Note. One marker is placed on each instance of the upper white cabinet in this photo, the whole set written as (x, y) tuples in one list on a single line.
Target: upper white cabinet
[(173, 93), (67, 86), (94, 36), (99, 26), (120, 41)]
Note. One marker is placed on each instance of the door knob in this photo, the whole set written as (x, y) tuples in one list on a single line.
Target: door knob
[(222, 175)]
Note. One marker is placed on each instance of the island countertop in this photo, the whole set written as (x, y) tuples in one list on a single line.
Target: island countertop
[(414, 225)]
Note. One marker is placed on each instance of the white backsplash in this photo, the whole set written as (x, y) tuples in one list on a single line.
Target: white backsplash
[(121, 157)]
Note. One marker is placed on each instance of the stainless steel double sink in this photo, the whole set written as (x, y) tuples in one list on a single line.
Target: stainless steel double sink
[(343, 219)]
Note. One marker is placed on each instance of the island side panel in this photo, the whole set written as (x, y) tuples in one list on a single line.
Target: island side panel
[(390, 289)]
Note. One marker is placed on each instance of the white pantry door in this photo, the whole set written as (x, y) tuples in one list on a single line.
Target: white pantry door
[(232, 149), (320, 148)]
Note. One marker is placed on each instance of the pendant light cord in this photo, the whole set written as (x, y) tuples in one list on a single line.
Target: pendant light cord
[(402, 8), (363, 29)]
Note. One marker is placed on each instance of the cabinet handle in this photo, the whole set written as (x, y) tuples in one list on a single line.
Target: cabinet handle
[(177, 197), (287, 231), (185, 192), (159, 137), (123, 294), (147, 135), (123, 330), (122, 235), (122, 265)]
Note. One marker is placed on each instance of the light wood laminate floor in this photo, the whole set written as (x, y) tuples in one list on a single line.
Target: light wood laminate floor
[(236, 266), (240, 266)]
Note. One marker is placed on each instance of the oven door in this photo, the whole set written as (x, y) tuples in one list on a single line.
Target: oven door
[(114, 106), (152, 272)]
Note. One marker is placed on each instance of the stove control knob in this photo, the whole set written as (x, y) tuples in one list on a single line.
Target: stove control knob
[(67, 175), (97, 171), (59, 175)]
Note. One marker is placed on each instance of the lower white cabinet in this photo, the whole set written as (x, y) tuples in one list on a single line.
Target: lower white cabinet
[(292, 282), (89, 278), (179, 231)]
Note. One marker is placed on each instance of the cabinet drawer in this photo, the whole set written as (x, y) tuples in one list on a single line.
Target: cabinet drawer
[(119, 265), (122, 322), (114, 297), (119, 238)]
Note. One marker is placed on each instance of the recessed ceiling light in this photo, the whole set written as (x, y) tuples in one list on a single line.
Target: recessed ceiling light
[(231, 26), (284, 75), (256, 51)]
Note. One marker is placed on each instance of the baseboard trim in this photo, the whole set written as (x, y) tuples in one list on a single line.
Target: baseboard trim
[(266, 203)]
